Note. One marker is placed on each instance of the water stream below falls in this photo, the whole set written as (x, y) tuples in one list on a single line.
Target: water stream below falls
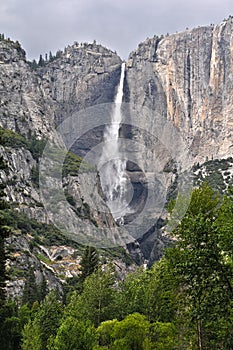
[(114, 180)]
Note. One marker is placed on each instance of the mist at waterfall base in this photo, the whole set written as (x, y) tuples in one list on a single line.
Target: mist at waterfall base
[(115, 183)]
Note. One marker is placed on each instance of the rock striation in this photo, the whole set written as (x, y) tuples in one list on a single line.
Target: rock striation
[(184, 80), (187, 78)]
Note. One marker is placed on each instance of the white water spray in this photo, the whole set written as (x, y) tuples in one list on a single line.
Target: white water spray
[(114, 180)]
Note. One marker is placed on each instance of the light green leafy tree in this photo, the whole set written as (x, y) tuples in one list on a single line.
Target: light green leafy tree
[(74, 334), (137, 333), (31, 336), (132, 295), (199, 264)]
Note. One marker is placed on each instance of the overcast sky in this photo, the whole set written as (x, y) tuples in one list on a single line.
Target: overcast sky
[(48, 25)]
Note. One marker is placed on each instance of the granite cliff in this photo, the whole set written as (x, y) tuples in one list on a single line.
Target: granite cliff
[(33, 102), (187, 77)]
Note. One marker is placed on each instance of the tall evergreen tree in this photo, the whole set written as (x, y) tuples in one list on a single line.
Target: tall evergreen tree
[(41, 61), (89, 262), (50, 56), (97, 301), (30, 292), (45, 323)]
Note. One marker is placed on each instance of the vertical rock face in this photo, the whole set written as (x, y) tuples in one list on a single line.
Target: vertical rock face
[(84, 75), (188, 78), (22, 105)]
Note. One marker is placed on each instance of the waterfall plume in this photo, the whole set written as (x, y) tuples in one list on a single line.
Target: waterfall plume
[(114, 180)]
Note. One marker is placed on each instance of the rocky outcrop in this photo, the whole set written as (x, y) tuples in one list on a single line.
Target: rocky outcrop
[(22, 108), (83, 76), (187, 78)]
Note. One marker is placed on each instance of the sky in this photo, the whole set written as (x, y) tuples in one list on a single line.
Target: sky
[(48, 25)]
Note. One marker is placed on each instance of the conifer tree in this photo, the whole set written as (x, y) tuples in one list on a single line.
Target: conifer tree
[(89, 262), (50, 56), (41, 61), (31, 291)]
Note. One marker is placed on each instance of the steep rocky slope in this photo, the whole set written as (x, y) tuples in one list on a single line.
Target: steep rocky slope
[(188, 78), (32, 102)]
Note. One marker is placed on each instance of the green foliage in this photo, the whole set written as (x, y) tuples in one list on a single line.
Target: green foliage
[(163, 336), (198, 263), (131, 332), (105, 332), (36, 146), (13, 320), (72, 164), (214, 173), (41, 61), (96, 303), (31, 336), (162, 298), (12, 139), (42, 233), (183, 302), (35, 175), (74, 334), (136, 332), (32, 291), (152, 293), (44, 324), (89, 262), (133, 294), (14, 44)]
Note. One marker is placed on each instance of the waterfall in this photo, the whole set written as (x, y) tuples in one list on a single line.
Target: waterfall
[(114, 180)]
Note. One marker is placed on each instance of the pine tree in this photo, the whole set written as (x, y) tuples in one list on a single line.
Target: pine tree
[(50, 56), (45, 323), (42, 289), (30, 292), (41, 61), (89, 262), (97, 301), (34, 64)]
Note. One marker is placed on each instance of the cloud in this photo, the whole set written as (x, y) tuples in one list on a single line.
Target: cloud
[(47, 25)]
